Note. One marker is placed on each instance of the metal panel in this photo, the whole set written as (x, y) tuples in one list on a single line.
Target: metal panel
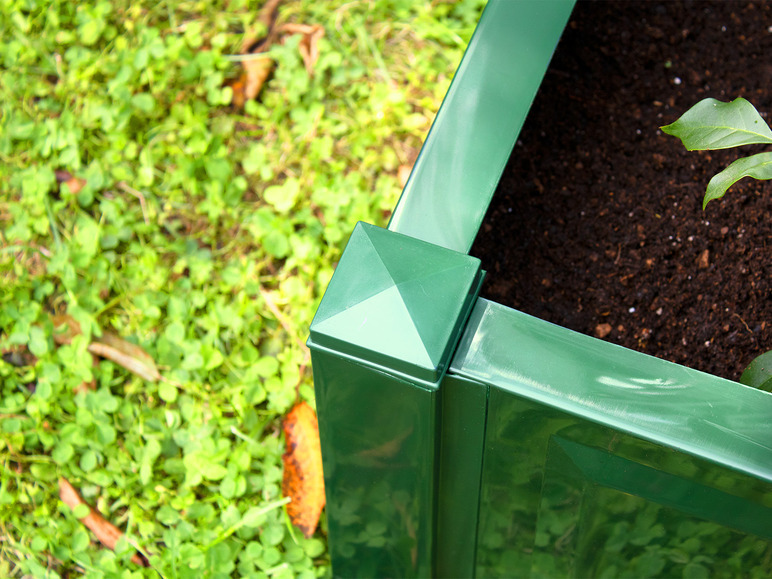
[(379, 450), (466, 150), (464, 407), (601, 461), (380, 343)]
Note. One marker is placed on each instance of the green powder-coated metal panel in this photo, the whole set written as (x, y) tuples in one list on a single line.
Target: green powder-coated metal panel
[(379, 451), (460, 164), (562, 496), (380, 343), (601, 461), (463, 408)]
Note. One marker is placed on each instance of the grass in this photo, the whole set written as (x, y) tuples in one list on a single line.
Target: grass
[(201, 232)]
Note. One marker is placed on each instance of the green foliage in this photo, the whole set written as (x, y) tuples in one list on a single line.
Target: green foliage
[(712, 124), (758, 374), (204, 234)]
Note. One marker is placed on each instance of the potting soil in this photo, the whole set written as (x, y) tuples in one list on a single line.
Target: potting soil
[(597, 224)]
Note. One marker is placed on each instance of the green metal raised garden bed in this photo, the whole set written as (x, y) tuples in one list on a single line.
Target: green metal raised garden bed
[(462, 438)]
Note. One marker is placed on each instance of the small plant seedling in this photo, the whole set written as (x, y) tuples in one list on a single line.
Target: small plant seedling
[(712, 124)]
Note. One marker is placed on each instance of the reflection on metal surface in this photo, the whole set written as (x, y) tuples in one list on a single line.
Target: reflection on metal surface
[(378, 436), (601, 461), (463, 406), (691, 411), (397, 302), (466, 151), (564, 496)]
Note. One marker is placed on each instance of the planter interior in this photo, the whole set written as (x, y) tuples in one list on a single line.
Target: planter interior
[(597, 223)]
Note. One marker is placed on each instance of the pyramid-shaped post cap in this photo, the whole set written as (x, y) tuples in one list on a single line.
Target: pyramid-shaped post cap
[(397, 302)]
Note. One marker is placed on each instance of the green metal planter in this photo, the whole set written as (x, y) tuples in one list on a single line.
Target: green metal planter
[(461, 438)]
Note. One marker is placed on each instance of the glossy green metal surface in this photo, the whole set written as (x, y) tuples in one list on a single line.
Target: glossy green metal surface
[(379, 438), (463, 409), (601, 461), (380, 342), (466, 150), (691, 411), (397, 302), (530, 450)]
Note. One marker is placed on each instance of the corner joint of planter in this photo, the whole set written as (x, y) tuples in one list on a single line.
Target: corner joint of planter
[(398, 304)]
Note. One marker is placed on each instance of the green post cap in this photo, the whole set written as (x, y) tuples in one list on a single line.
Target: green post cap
[(397, 302)]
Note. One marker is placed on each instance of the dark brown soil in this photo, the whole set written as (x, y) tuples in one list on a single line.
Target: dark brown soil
[(597, 224)]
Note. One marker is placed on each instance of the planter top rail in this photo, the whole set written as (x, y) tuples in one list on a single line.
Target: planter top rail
[(703, 415), (466, 151)]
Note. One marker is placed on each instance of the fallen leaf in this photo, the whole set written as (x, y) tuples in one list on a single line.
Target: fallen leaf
[(75, 185), (109, 346), (403, 174), (256, 72), (303, 480), (65, 328), (125, 354), (107, 533), (267, 17), (256, 68), (309, 44)]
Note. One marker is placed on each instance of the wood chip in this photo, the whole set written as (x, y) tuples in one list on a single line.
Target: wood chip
[(602, 330), (704, 260)]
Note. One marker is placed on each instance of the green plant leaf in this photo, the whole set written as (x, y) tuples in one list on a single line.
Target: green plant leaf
[(758, 374), (712, 124), (757, 166)]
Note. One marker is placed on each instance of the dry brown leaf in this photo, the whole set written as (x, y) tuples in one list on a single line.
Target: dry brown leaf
[(65, 328), (109, 346), (303, 478), (256, 72), (107, 533), (256, 68), (125, 354), (267, 17), (75, 185), (309, 44), (403, 174)]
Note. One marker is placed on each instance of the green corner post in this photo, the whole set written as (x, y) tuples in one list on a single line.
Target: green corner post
[(402, 442), (381, 342)]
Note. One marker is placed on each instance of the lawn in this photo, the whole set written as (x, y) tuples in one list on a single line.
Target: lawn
[(148, 205)]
